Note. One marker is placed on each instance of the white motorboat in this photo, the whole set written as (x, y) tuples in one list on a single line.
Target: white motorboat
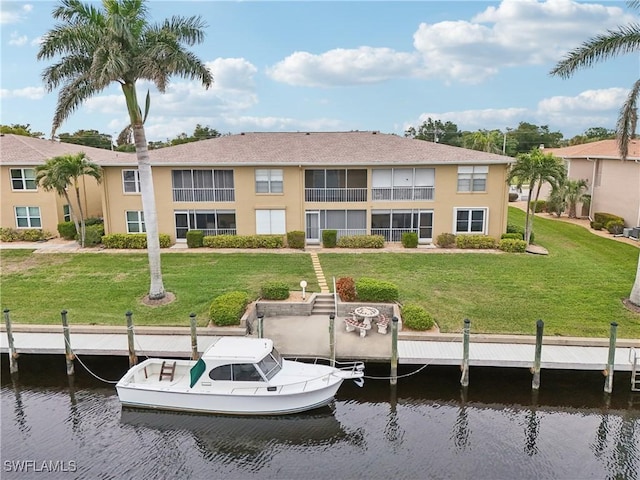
[(235, 375)]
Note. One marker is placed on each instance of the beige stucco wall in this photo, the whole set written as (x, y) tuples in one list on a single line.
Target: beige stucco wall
[(115, 202), (50, 203), (619, 191)]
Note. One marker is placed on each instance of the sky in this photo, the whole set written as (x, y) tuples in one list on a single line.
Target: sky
[(341, 66)]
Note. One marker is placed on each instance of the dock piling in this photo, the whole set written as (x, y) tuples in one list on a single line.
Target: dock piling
[(13, 356), (608, 382), (67, 343), (394, 350), (194, 336), (261, 326), (332, 339), (464, 379), (535, 384), (133, 359)]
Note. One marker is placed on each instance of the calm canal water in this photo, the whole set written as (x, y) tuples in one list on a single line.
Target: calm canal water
[(426, 428)]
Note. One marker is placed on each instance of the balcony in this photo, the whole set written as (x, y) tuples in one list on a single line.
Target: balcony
[(335, 194), (204, 195), (402, 193), (392, 234)]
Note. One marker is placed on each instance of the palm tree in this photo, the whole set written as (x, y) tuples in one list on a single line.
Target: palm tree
[(535, 168), (60, 173), (117, 43), (625, 39), (574, 191)]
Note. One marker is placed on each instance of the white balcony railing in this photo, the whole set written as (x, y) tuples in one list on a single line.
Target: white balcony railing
[(392, 234), (402, 193), (335, 194), (204, 195)]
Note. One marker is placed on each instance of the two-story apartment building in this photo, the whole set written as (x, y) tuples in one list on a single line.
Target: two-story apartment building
[(273, 183), (26, 205)]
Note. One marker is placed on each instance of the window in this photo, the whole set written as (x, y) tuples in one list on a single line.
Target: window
[(222, 372), (203, 186), (270, 222), (335, 185), (23, 179), (28, 217), (470, 220), (211, 222), (472, 179), (66, 210), (403, 183), (269, 181), (246, 372), (391, 224), (135, 222), (131, 181)]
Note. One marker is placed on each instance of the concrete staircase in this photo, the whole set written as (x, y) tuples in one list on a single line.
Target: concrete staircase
[(323, 305)]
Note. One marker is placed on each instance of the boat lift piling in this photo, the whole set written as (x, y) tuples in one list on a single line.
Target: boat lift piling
[(133, 359), (13, 356), (332, 339), (464, 379), (261, 326), (394, 350), (535, 384), (67, 343), (194, 336), (608, 383)]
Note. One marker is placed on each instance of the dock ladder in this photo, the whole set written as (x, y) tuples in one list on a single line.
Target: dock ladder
[(634, 358)]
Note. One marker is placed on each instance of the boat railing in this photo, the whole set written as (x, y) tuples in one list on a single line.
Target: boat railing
[(350, 367), (268, 388)]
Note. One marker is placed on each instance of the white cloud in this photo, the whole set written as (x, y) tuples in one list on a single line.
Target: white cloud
[(30, 93), (17, 40), (234, 74), (490, 118), (605, 100), (12, 12), (343, 67)]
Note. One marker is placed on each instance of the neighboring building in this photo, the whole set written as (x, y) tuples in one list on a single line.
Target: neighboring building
[(614, 185), (272, 183), (26, 205)]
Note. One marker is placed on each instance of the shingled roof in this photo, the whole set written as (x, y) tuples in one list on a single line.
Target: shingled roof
[(271, 148), (604, 149), (22, 150)]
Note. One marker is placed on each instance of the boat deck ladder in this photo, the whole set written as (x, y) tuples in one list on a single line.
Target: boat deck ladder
[(634, 358), (168, 369)]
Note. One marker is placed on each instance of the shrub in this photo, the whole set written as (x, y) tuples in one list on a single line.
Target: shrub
[(9, 235), (194, 238), (511, 228), (67, 230), (274, 291), (295, 239), (446, 240), (372, 290), (361, 241), (329, 238), (605, 218), (596, 225), (132, 240), (243, 241), (614, 227), (540, 205), (31, 235), (512, 245), (346, 289), (93, 234), (475, 241), (93, 221), (410, 240), (416, 318), (513, 197), (227, 309), (512, 236)]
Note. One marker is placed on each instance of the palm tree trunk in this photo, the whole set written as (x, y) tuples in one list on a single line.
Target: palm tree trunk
[(635, 291), (528, 222), (156, 290), (83, 230), (72, 212)]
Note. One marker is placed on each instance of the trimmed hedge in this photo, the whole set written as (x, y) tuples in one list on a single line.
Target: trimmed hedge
[(194, 238), (295, 239), (32, 235), (511, 228), (227, 309), (511, 236), (372, 290), (541, 205), (614, 227), (416, 318), (132, 240), (446, 240), (361, 241), (512, 245), (329, 238), (23, 235), (67, 230), (346, 288), (274, 291), (243, 241), (596, 225), (604, 218), (475, 241), (410, 240), (93, 234)]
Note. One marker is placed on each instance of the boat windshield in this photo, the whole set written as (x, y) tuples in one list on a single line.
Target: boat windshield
[(271, 364)]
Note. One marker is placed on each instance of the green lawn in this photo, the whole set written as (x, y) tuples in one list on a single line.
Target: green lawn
[(576, 289)]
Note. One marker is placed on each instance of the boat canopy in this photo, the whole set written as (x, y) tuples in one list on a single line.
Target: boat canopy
[(196, 372)]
